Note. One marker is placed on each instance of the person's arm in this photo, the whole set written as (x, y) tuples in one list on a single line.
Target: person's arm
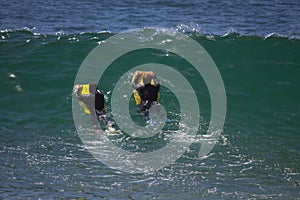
[(94, 120), (77, 91), (153, 80), (135, 80), (89, 101)]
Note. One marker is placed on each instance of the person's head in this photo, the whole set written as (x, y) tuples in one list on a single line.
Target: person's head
[(150, 78), (147, 78)]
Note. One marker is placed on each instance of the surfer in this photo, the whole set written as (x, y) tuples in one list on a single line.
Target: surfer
[(146, 91), (91, 98)]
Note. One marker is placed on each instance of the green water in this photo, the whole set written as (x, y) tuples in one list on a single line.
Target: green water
[(256, 157)]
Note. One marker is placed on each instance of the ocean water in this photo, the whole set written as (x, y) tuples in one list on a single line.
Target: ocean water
[(255, 46)]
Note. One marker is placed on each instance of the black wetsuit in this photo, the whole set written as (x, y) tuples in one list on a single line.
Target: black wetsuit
[(100, 107), (99, 102), (149, 95)]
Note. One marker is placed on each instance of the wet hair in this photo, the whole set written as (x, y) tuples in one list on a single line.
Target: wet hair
[(147, 78)]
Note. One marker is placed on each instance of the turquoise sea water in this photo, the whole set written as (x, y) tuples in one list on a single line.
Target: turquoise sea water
[(257, 156)]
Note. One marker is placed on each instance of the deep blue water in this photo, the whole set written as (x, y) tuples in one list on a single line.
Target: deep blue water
[(210, 17)]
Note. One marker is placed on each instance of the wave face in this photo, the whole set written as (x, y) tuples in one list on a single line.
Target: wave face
[(42, 155)]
